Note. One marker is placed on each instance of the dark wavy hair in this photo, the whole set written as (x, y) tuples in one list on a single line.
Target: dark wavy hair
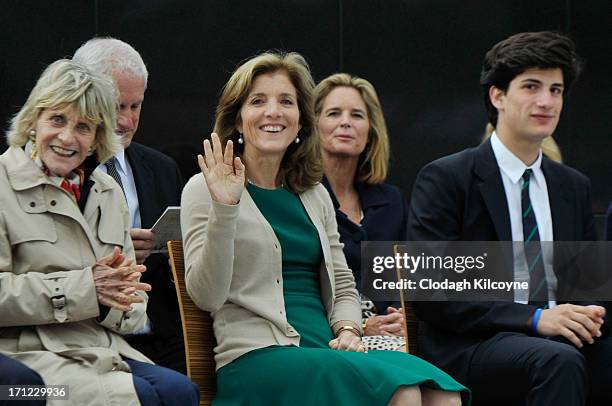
[(514, 55)]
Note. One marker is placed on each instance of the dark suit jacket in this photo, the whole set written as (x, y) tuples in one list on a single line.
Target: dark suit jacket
[(385, 218), (462, 197), (158, 185)]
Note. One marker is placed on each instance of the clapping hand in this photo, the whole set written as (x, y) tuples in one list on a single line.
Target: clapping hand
[(223, 173), (117, 279)]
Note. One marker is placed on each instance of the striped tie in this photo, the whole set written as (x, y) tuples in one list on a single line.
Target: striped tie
[(112, 171), (538, 288)]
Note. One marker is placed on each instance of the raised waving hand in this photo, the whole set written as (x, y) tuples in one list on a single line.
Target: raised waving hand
[(223, 173)]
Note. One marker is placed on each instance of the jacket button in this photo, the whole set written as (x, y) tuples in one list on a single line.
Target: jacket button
[(53, 202), (32, 204)]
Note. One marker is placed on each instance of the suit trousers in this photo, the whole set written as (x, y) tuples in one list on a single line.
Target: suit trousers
[(168, 352), (157, 385), (517, 369), (13, 372)]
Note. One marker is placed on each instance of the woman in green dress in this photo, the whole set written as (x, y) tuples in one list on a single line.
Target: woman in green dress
[(262, 254)]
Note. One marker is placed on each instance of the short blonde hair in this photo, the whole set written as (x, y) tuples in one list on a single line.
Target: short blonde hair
[(374, 160), (301, 166), (65, 84)]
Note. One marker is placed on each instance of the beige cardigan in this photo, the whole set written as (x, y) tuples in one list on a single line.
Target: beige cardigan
[(234, 269)]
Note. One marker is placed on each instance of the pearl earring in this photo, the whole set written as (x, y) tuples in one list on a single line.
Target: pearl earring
[(297, 140), (32, 133), (240, 139)]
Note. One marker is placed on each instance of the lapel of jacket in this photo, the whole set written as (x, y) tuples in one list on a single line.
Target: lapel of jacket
[(145, 183), (94, 200), (492, 190), (93, 206), (560, 202)]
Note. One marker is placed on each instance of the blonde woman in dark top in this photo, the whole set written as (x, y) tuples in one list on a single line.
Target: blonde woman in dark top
[(355, 150)]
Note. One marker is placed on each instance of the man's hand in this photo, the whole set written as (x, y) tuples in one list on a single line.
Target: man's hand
[(576, 323), (391, 324), (144, 241)]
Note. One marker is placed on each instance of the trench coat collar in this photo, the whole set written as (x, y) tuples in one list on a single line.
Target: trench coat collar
[(23, 173)]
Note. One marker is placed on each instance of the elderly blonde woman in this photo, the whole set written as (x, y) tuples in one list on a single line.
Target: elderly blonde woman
[(262, 254), (69, 283), (355, 150)]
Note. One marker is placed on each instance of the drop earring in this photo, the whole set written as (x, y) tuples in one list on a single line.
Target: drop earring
[(32, 140), (240, 139)]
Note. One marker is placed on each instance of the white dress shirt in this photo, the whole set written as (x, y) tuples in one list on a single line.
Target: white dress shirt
[(512, 169)]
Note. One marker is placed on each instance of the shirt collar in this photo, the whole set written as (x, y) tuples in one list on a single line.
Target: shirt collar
[(511, 165), (325, 183), (121, 163), (369, 195)]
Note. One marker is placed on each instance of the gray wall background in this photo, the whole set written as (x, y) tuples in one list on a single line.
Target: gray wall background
[(423, 56)]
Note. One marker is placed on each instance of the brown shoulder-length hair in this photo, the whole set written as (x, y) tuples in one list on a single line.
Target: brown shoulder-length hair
[(301, 167), (374, 160)]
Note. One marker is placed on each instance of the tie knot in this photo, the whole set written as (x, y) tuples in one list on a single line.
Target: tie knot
[(527, 175), (111, 163)]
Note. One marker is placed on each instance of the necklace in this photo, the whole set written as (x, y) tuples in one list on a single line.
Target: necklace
[(250, 182)]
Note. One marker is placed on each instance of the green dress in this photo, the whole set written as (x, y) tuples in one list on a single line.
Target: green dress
[(314, 374)]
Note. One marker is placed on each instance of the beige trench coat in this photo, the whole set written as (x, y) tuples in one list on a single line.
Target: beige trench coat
[(48, 306)]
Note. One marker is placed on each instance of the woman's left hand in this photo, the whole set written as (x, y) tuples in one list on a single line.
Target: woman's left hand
[(347, 341)]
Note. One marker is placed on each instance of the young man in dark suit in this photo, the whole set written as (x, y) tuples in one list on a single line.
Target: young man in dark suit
[(534, 350), (151, 182)]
